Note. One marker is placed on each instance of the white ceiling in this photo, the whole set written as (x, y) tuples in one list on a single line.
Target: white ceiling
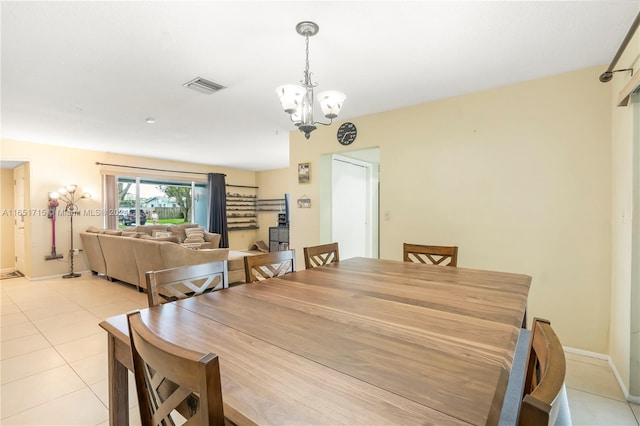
[(87, 74)]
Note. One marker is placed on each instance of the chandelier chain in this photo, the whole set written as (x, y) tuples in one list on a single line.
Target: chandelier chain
[(307, 77)]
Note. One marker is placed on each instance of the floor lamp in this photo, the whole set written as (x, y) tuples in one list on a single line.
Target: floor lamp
[(67, 195)]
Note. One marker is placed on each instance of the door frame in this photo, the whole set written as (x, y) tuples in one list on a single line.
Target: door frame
[(370, 156), (21, 220)]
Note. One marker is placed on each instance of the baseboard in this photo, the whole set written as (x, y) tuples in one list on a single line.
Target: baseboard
[(627, 395), (55, 277), (590, 354), (623, 387), (634, 399), (7, 270)]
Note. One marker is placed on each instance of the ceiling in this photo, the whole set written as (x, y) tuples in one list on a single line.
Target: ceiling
[(88, 74)]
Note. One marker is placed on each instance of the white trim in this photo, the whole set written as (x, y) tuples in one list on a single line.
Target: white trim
[(586, 353), (54, 277), (634, 399), (623, 387), (7, 270)]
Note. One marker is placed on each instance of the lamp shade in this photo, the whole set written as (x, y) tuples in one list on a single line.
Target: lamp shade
[(331, 102), (290, 96)]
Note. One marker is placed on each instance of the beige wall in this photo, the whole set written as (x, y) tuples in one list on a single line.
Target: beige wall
[(623, 213), (52, 167), (518, 177), (7, 251)]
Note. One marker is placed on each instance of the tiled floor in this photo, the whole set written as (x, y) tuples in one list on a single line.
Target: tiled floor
[(54, 358)]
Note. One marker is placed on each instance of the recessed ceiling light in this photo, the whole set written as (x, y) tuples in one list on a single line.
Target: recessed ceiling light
[(150, 120)]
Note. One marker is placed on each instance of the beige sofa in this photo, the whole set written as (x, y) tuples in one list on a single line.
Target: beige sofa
[(211, 240), (128, 258)]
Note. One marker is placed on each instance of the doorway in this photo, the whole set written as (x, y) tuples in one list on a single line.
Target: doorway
[(351, 203), (19, 206)]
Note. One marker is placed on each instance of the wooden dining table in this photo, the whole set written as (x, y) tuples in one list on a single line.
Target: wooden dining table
[(360, 341)]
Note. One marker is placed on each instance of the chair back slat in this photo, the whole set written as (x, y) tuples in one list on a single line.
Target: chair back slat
[(264, 266), (171, 379), (168, 285), (321, 255), (435, 255), (544, 377)]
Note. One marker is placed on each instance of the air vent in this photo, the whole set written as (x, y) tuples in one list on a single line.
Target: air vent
[(203, 86)]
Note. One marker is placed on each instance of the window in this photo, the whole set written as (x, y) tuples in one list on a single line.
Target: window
[(143, 200)]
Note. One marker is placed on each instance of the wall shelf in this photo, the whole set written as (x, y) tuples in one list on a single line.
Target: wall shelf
[(270, 205), (246, 205), (241, 208)]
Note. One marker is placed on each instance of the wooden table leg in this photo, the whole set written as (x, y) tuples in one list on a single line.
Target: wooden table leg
[(118, 387)]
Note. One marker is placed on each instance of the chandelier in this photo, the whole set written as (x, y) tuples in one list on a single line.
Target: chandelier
[(297, 100)]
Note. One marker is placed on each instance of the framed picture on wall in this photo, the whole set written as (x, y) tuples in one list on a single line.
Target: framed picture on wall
[(304, 172), (304, 202)]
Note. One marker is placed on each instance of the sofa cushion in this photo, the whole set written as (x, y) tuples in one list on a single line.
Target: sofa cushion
[(93, 252), (131, 234), (113, 232), (148, 229), (194, 235), (157, 234), (94, 230), (178, 230), (174, 256), (118, 258), (171, 239), (147, 257), (212, 238)]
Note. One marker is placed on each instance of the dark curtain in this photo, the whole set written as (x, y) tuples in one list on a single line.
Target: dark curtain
[(218, 207)]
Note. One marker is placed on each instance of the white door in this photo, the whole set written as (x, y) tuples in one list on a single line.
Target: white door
[(18, 199), (351, 207)]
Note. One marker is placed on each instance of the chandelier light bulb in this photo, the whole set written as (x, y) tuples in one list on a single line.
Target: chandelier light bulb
[(72, 188), (290, 96), (331, 103)]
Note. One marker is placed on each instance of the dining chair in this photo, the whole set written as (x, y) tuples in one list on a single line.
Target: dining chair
[(171, 379), (268, 265), (321, 255), (168, 285), (436, 255), (544, 399)]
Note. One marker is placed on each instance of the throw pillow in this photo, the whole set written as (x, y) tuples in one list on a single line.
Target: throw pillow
[(178, 230), (161, 234), (194, 235), (94, 230), (130, 234), (149, 237), (170, 239), (192, 241)]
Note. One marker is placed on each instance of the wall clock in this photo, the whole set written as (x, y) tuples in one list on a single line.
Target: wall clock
[(347, 133)]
